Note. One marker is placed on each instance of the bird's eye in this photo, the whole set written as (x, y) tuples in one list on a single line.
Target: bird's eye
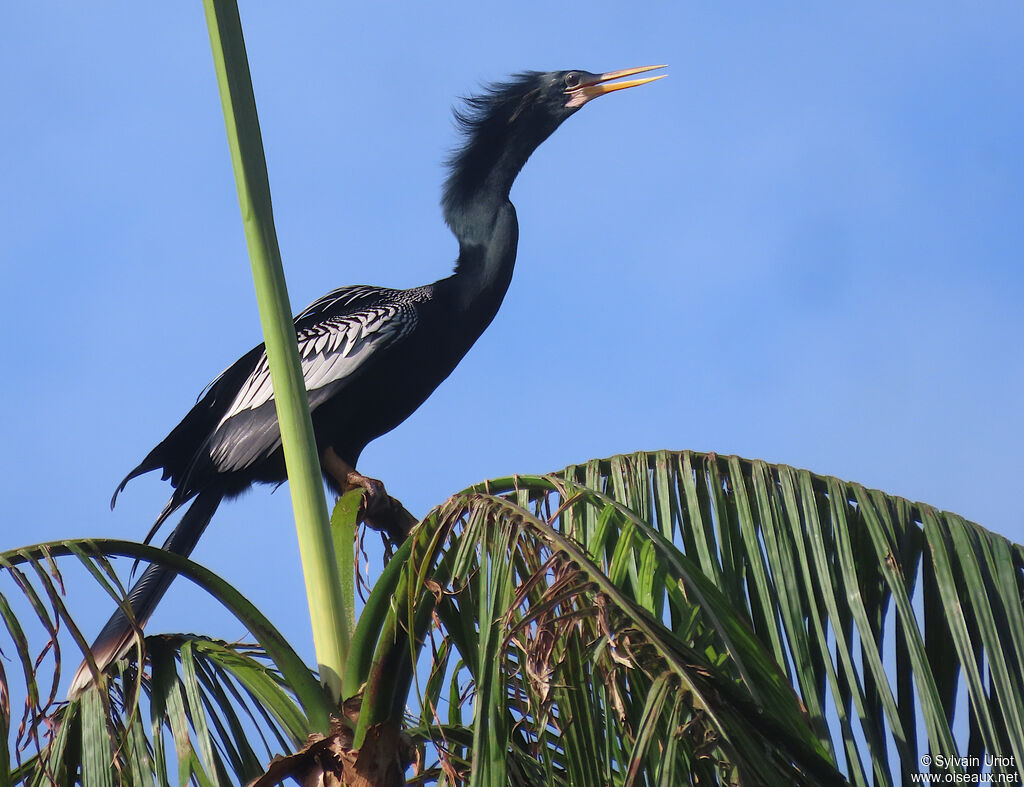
[(572, 80)]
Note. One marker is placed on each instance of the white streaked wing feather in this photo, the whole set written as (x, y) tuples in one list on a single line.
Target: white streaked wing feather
[(342, 295), (329, 351)]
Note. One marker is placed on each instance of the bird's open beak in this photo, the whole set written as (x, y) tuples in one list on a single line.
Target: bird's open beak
[(604, 84)]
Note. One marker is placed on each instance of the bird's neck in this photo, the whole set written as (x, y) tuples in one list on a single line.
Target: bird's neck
[(477, 208), (487, 256), (481, 177)]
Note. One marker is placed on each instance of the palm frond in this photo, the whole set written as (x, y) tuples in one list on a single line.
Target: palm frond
[(653, 619), (683, 618), (226, 708)]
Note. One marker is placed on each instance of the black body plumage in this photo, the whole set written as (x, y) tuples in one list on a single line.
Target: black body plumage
[(370, 355)]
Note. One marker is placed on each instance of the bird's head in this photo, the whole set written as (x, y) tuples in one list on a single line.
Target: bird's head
[(506, 122), (533, 104), (566, 91)]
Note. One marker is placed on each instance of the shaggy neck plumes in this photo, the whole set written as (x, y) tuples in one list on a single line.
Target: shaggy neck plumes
[(502, 128)]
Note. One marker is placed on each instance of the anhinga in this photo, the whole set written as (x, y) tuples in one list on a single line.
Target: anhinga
[(370, 355)]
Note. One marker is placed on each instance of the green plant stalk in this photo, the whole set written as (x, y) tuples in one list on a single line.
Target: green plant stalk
[(344, 524), (323, 587), (372, 619)]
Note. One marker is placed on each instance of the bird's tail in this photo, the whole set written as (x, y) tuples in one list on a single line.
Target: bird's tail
[(117, 635)]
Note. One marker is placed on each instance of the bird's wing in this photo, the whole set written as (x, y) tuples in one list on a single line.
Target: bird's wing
[(337, 335), (349, 297)]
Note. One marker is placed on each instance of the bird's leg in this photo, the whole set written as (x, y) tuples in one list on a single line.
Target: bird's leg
[(378, 510), (348, 478)]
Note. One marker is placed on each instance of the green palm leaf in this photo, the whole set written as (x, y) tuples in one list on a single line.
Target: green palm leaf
[(227, 708), (657, 619), (758, 622)]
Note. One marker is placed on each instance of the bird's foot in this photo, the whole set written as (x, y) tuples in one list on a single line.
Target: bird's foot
[(375, 492), (378, 510)]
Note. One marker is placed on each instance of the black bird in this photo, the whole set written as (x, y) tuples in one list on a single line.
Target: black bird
[(370, 355)]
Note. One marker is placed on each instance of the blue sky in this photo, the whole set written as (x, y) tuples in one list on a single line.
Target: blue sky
[(806, 245)]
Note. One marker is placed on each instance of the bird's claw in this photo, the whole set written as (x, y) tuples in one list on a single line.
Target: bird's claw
[(378, 510)]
